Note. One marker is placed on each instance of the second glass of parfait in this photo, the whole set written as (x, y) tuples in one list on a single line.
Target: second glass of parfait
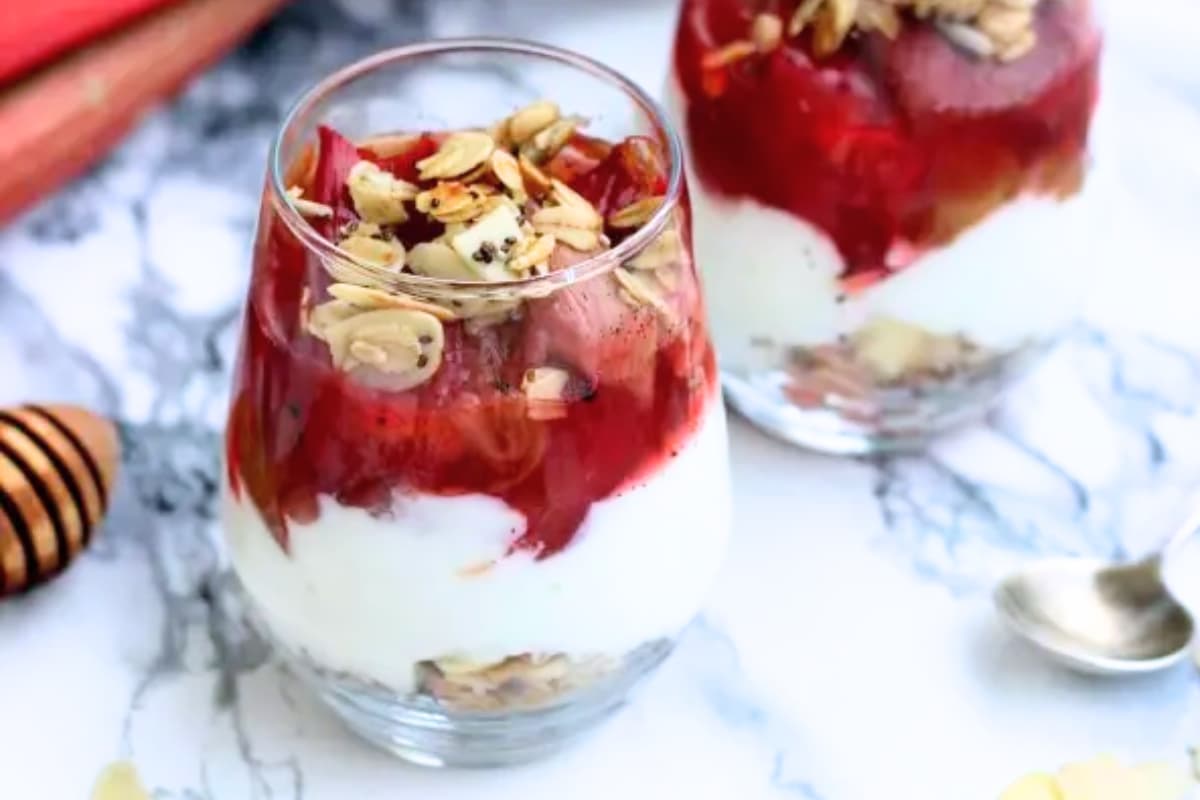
[(891, 202)]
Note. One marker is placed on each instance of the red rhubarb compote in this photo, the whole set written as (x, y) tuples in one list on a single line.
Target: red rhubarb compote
[(891, 146), (639, 381)]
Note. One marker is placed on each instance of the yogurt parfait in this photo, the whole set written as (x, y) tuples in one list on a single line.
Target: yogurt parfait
[(477, 474), (890, 201)]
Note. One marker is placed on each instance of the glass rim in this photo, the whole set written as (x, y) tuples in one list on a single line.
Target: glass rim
[(587, 268)]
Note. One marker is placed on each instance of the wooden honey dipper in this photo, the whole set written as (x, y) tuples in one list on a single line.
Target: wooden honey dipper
[(57, 465)]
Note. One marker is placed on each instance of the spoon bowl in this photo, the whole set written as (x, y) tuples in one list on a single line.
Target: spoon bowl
[(1097, 617)]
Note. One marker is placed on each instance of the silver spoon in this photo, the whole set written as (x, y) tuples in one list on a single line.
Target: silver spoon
[(1101, 618)]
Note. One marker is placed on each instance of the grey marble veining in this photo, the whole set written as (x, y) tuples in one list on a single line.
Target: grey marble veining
[(122, 293)]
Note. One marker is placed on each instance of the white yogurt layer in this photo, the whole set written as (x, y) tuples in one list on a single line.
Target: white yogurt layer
[(374, 597), (1021, 273)]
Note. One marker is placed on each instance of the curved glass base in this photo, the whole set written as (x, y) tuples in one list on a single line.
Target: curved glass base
[(419, 730), (423, 730), (891, 420)]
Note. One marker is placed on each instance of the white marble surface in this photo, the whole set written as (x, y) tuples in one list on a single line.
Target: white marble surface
[(848, 652)]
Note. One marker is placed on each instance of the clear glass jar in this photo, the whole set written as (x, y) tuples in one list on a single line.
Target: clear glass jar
[(889, 203), (472, 506)]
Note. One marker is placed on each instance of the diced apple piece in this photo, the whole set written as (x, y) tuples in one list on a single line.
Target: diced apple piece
[(485, 245)]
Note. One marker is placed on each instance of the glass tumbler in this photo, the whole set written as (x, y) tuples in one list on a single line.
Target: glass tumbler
[(892, 203), (477, 472)]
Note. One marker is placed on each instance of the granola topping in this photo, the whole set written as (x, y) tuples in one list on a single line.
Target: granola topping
[(434, 368), (997, 29), (484, 210)]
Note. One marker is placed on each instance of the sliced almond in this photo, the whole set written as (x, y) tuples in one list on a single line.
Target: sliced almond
[(566, 196), (577, 226), (579, 239), (378, 195), (370, 354), (499, 132), (308, 208), (479, 173), (832, 25), (405, 344), (636, 214), (531, 120), (667, 277), (665, 250), (508, 171), (328, 314), (372, 299), (376, 258), (535, 179), (547, 142), (387, 253), (568, 216), (458, 155), (453, 201), (497, 200), (640, 289), (879, 15), (439, 260), (531, 252)]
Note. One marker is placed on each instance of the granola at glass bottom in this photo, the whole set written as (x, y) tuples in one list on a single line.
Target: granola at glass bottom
[(524, 681), (885, 354)]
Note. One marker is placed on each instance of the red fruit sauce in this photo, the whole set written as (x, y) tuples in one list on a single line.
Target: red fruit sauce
[(299, 428), (891, 147)]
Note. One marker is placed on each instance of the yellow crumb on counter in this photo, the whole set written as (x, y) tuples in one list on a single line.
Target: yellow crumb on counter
[(119, 781), (1033, 787), (1105, 779)]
